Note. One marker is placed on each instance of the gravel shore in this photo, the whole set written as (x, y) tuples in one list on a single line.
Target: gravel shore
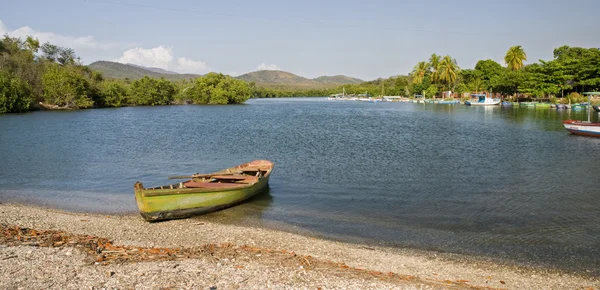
[(46, 248)]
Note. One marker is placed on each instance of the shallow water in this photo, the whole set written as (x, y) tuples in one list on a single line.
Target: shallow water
[(509, 183)]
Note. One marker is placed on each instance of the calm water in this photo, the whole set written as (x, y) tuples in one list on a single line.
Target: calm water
[(503, 183)]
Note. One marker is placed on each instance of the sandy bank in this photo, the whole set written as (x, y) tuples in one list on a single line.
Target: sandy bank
[(200, 254)]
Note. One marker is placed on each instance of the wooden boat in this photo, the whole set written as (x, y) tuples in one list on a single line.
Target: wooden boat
[(203, 193), (584, 128)]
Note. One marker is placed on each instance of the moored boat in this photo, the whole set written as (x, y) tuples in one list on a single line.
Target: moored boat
[(203, 193), (543, 105), (483, 101), (584, 128), (448, 102), (527, 104)]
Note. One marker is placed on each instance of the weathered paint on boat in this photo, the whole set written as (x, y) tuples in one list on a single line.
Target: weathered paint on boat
[(205, 193)]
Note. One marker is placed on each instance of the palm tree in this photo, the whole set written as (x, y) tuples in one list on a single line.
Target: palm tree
[(514, 58), (448, 71), (419, 71), (477, 85), (434, 62)]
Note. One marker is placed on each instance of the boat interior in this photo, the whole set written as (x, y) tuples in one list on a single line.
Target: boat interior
[(230, 178)]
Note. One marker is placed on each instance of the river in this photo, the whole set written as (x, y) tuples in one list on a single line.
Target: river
[(505, 183)]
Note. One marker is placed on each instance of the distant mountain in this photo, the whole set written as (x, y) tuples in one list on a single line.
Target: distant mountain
[(339, 79), (265, 78), (155, 69), (282, 78), (115, 70), (272, 77)]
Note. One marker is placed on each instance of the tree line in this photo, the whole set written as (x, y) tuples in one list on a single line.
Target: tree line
[(47, 75), (573, 70), (33, 74)]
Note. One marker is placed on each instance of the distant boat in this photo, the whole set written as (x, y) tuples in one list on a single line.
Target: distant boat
[(507, 104), (561, 106), (527, 104), (449, 102), (203, 193), (483, 101), (584, 128), (543, 105), (340, 96)]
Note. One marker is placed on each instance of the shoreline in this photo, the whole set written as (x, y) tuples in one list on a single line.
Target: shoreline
[(340, 265)]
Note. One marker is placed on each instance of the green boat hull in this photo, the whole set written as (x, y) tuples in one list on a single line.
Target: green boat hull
[(157, 204)]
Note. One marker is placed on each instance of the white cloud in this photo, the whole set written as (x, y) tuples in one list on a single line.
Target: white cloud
[(264, 66), (162, 57), (83, 42), (186, 65)]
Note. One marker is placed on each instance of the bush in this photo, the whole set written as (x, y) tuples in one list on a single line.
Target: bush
[(15, 95), (114, 95), (150, 92), (217, 89), (64, 86)]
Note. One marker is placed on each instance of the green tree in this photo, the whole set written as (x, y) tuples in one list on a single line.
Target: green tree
[(15, 95), (488, 69), (448, 71), (418, 73), (431, 91), (435, 61), (477, 85), (114, 94), (514, 58), (216, 88), (64, 86), (150, 92)]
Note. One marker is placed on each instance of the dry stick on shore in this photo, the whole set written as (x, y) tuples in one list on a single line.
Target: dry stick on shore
[(103, 252)]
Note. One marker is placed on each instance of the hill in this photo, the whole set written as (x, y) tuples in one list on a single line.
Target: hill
[(154, 69), (339, 79), (275, 78), (115, 70), (264, 78)]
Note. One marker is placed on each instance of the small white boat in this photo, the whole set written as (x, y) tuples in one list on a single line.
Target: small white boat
[(483, 101)]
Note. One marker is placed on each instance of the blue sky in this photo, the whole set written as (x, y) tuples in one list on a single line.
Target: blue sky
[(364, 39)]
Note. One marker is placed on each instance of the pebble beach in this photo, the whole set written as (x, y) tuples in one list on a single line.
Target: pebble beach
[(47, 248)]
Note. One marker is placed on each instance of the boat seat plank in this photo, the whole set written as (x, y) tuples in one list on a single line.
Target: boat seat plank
[(248, 179), (252, 169), (194, 184), (230, 177)]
